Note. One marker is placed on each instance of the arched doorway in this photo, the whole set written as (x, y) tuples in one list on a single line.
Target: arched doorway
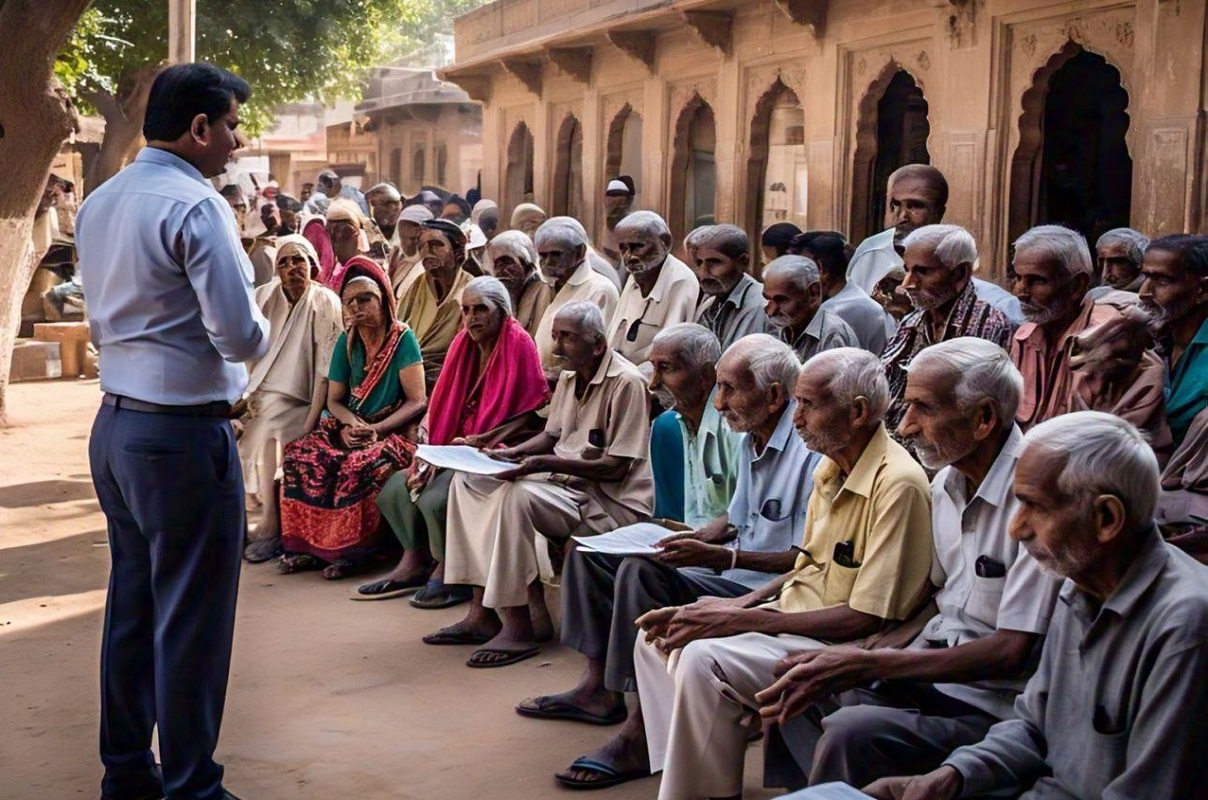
[(418, 166), (1072, 166), (568, 169), (694, 168), (623, 155), (777, 169), (518, 176), (892, 132)]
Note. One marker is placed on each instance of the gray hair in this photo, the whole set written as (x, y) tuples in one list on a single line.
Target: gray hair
[(1103, 454), (729, 240), (696, 237), (853, 373), (388, 189), (492, 292), (768, 359), (802, 271), (694, 342), (1065, 246), (565, 231), (1134, 242), (512, 243), (982, 370), (952, 245), (645, 221), (586, 316)]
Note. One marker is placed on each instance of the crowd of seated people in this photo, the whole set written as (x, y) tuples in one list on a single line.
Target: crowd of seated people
[(929, 536)]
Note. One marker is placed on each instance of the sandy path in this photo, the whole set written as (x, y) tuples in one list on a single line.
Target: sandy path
[(329, 698)]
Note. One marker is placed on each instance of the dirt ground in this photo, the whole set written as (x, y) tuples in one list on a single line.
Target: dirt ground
[(328, 698)]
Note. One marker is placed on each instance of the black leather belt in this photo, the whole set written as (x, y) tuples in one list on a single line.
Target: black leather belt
[(217, 408)]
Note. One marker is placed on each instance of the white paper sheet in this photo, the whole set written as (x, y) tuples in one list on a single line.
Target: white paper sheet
[(827, 791), (632, 540), (462, 458)]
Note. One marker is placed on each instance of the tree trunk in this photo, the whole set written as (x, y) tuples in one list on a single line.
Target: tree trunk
[(35, 119), (124, 115)]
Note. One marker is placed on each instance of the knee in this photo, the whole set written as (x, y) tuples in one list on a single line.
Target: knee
[(850, 727), (697, 663)]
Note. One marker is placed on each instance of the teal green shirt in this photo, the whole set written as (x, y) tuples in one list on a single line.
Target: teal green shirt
[(388, 392), (1187, 385)]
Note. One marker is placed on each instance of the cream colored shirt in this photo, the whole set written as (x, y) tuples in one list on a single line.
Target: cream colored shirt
[(583, 284), (615, 404), (638, 319), (883, 508)]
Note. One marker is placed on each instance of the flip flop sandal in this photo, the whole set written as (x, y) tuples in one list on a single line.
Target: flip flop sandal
[(386, 589), (547, 707), (509, 657), (612, 775), (446, 636), (297, 562), (439, 595), (260, 550)]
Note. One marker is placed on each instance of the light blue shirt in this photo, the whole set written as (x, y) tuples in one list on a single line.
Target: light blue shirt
[(771, 495), (168, 285), (710, 466), (997, 297)]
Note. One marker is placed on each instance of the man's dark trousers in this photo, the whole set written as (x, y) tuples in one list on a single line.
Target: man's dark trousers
[(171, 488), (602, 596)]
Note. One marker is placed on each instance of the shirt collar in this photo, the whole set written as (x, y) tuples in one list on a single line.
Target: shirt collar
[(609, 366), (664, 280), (865, 471), (580, 275), (1201, 336), (814, 328), (738, 294), (1030, 330), (1145, 569), (784, 429), (154, 155), (996, 488)]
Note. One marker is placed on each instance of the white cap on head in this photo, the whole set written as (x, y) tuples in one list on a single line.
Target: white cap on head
[(615, 185), (417, 214)]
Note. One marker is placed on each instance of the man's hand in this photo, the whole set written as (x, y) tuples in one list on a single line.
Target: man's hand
[(805, 677), (503, 453), (712, 621), (691, 552), (655, 622), (527, 466), (944, 783)]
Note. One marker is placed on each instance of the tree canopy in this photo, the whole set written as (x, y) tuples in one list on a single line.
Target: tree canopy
[(288, 50)]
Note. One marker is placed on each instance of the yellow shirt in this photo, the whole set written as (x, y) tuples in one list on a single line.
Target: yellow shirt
[(883, 509)]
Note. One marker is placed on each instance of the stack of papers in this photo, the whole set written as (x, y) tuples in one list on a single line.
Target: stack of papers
[(462, 458), (632, 540)]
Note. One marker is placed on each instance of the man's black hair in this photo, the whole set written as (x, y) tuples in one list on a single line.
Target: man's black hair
[(828, 249), (183, 91), (1192, 250), (287, 203)]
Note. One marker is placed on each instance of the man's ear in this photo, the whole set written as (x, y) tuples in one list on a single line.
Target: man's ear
[(199, 129), (1109, 516), (665, 238), (858, 413), (743, 261), (1081, 284)]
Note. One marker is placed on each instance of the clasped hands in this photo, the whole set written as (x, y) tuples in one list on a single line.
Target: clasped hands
[(358, 434)]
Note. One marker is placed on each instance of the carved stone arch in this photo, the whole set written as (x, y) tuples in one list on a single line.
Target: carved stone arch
[(567, 195), (518, 174), (614, 146), (759, 149), (694, 124), (1024, 179), (871, 161)]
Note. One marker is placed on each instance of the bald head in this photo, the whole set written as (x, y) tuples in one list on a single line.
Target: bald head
[(915, 195)]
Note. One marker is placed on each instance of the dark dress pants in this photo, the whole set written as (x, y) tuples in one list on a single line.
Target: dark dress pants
[(603, 594), (171, 488)]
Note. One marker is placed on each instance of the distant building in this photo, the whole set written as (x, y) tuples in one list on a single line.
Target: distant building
[(1086, 112)]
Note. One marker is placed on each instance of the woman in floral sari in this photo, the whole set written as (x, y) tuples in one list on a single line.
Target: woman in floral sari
[(488, 392), (375, 391)]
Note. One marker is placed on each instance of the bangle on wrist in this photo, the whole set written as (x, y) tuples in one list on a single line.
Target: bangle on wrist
[(734, 558)]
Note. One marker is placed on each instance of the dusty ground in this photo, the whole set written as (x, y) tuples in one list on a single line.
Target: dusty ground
[(328, 699)]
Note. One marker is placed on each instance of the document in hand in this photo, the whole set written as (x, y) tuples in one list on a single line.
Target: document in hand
[(827, 791), (462, 458), (632, 540)]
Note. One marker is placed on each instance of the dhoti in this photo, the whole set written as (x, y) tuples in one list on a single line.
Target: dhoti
[(700, 711), (493, 525)]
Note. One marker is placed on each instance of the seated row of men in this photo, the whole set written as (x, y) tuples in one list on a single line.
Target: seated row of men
[(590, 462)]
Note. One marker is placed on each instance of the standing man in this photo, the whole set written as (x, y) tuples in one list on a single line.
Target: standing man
[(171, 305), (618, 202)]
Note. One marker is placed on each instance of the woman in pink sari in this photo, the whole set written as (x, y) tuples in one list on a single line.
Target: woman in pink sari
[(488, 390)]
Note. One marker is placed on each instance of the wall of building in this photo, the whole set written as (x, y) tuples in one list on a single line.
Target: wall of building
[(983, 67), (429, 145)]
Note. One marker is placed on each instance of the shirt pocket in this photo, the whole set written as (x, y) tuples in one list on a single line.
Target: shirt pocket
[(838, 583), (985, 598)]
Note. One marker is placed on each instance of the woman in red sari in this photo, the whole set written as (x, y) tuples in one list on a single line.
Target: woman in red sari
[(375, 392), (489, 388)]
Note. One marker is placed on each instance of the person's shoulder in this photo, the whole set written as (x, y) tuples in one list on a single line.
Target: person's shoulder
[(898, 467), (625, 372)]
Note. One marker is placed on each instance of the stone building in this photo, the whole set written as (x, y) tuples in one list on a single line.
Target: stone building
[(426, 132), (1087, 112)]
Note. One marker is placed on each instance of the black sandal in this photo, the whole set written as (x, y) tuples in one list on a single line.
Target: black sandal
[(439, 595)]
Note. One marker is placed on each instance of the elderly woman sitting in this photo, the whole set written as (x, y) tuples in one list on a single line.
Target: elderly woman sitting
[(486, 395), (333, 475), (512, 258)]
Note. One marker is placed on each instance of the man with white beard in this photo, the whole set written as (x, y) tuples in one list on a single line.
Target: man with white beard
[(792, 290)]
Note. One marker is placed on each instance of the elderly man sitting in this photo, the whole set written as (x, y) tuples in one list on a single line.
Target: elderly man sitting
[(964, 666), (793, 291), (586, 473), (726, 556), (661, 291), (733, 304), (432, 305), (287, 389), (1052, 272), (511, 258), (1115, 709), (385, 206), (939, 262), (406, 265), (830, 251), (864, 563), (1118, 256), (563, 247)]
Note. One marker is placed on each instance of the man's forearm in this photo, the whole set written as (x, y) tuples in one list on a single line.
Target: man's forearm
[(835, 624), (605, 470), (1002, 654), (773, 563)]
